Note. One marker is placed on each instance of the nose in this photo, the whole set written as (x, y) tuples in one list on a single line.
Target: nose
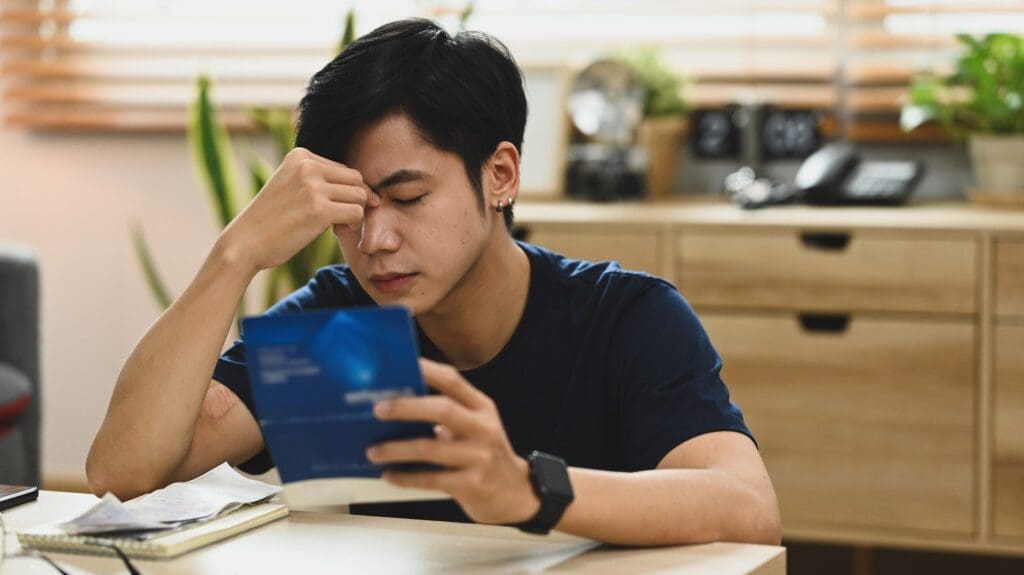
[(379, 234)]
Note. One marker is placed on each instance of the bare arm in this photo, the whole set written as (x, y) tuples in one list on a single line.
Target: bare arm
[(713, 487), (151, 421), (167, 420)]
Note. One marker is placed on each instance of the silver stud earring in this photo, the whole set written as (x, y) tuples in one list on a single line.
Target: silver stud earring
[(501, 207)]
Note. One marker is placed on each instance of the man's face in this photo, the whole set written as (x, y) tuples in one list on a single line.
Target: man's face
[(428, 230)]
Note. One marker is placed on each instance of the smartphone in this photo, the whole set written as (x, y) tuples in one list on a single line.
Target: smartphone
[(13, 495)]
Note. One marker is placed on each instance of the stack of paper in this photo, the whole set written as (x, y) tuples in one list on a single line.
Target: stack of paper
[(166, 522), (216, 492)]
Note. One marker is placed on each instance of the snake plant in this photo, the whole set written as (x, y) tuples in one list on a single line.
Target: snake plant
[(214, 158)]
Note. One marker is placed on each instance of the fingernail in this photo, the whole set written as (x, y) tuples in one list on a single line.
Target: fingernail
[(372, 452), (382, 407)]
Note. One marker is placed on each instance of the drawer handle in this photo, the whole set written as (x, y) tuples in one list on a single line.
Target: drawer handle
[(828, 241), (824, 323)]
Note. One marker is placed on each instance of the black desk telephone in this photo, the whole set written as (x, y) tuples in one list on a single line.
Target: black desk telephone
[(835, 175)]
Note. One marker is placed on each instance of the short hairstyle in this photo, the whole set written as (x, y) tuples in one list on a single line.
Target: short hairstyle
[(464, 93)]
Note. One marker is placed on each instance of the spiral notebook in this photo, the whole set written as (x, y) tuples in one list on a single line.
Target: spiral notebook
[(167, 522), (162, 545)]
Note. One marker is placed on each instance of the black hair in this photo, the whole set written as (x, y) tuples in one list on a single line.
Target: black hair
[(464, 93)]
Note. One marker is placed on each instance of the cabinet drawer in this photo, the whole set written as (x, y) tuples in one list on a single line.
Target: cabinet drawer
[(1010, 278), (870, 427), (635, 250), (1008, 475), (788, 269)]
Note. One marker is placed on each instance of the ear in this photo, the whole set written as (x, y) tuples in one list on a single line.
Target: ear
[(501, 175)]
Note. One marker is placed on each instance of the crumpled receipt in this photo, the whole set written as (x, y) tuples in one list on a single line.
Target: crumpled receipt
[(218, 491)]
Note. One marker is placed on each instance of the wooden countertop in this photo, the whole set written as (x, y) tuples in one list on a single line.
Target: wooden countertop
[(949, 217)]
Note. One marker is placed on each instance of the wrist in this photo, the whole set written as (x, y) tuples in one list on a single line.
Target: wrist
[(529, 502), (228, 256), (549, 477)]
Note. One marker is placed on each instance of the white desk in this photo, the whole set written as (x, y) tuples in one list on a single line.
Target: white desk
[(338, 543)]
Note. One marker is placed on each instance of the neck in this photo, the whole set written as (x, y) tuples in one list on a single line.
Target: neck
[(475, 321)]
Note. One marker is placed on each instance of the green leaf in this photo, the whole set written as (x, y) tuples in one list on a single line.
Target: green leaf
[(467, 11), (911, 116), (985, 94), (259, 170), (211, 149), (153, 280), (349, 35), (662, 86)]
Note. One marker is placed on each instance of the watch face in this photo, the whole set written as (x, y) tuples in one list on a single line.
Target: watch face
[(554, 476)]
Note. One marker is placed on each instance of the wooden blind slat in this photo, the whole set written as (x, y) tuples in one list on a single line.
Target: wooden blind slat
[(812, 96), (877, 10), (888, 131), (119, 120), (864, 39)]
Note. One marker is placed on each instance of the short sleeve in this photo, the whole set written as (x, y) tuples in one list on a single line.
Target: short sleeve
[(671, 390), (332, 286)]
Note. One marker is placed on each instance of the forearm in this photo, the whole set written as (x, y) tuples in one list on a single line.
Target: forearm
[(668, 506), (151, 419)]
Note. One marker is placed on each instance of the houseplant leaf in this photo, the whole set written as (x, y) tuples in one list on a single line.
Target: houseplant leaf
[(212, 151), (149, 271)]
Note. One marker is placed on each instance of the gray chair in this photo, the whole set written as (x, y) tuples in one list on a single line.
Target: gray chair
[(19, 366)]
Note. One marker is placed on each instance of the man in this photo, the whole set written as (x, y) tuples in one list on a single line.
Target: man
[(408, 147)]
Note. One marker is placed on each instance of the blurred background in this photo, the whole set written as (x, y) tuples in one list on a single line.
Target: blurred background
[(870, 323)]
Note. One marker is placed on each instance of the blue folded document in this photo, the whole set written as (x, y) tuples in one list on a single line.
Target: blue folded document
[(315, 377)]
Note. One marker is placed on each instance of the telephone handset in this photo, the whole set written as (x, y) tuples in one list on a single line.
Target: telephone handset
[(835, 175)]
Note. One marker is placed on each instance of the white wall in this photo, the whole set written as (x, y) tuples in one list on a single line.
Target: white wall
[(72, 198)]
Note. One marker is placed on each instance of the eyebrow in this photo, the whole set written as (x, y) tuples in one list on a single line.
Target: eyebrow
[(399, 177)]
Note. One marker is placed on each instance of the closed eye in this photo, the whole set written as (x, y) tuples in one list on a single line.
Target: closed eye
[(410, 201)]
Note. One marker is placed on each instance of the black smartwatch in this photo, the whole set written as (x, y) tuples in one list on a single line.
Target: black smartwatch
[(550, 478)]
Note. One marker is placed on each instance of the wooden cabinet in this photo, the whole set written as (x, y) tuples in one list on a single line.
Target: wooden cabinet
[(877, 354), (1010, 278), (1008, 456), (635, 249), (838, 270), (864, 425)]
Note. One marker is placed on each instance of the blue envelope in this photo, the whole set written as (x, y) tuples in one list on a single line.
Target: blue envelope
[(315, 377)]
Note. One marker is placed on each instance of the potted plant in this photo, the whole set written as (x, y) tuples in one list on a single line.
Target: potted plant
[(982, 100), (664, 126), (214, 157)]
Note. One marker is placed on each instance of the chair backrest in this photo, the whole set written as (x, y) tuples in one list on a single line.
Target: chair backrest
[(19, 338)]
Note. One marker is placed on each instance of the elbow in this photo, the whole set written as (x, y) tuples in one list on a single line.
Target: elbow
[(766, 524), (104, 477), (770, 531)]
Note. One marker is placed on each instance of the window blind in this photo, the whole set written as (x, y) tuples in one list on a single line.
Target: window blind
[(132, 64)]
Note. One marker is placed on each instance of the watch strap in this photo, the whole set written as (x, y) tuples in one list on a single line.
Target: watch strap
[(552, 504)]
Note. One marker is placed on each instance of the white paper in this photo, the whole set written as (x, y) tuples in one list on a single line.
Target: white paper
[(218, 491)]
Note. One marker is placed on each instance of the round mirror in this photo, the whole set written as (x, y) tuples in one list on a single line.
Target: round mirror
[(607, 103)]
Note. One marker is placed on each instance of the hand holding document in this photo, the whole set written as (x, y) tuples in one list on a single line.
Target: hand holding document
[(315, 378)]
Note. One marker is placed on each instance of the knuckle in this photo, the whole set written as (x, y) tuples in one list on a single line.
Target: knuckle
[(486, 457), (306, 168), (450, 373), (298, 155), (445, 410)]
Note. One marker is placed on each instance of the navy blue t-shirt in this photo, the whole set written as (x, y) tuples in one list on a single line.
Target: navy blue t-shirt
[(609, 369)]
